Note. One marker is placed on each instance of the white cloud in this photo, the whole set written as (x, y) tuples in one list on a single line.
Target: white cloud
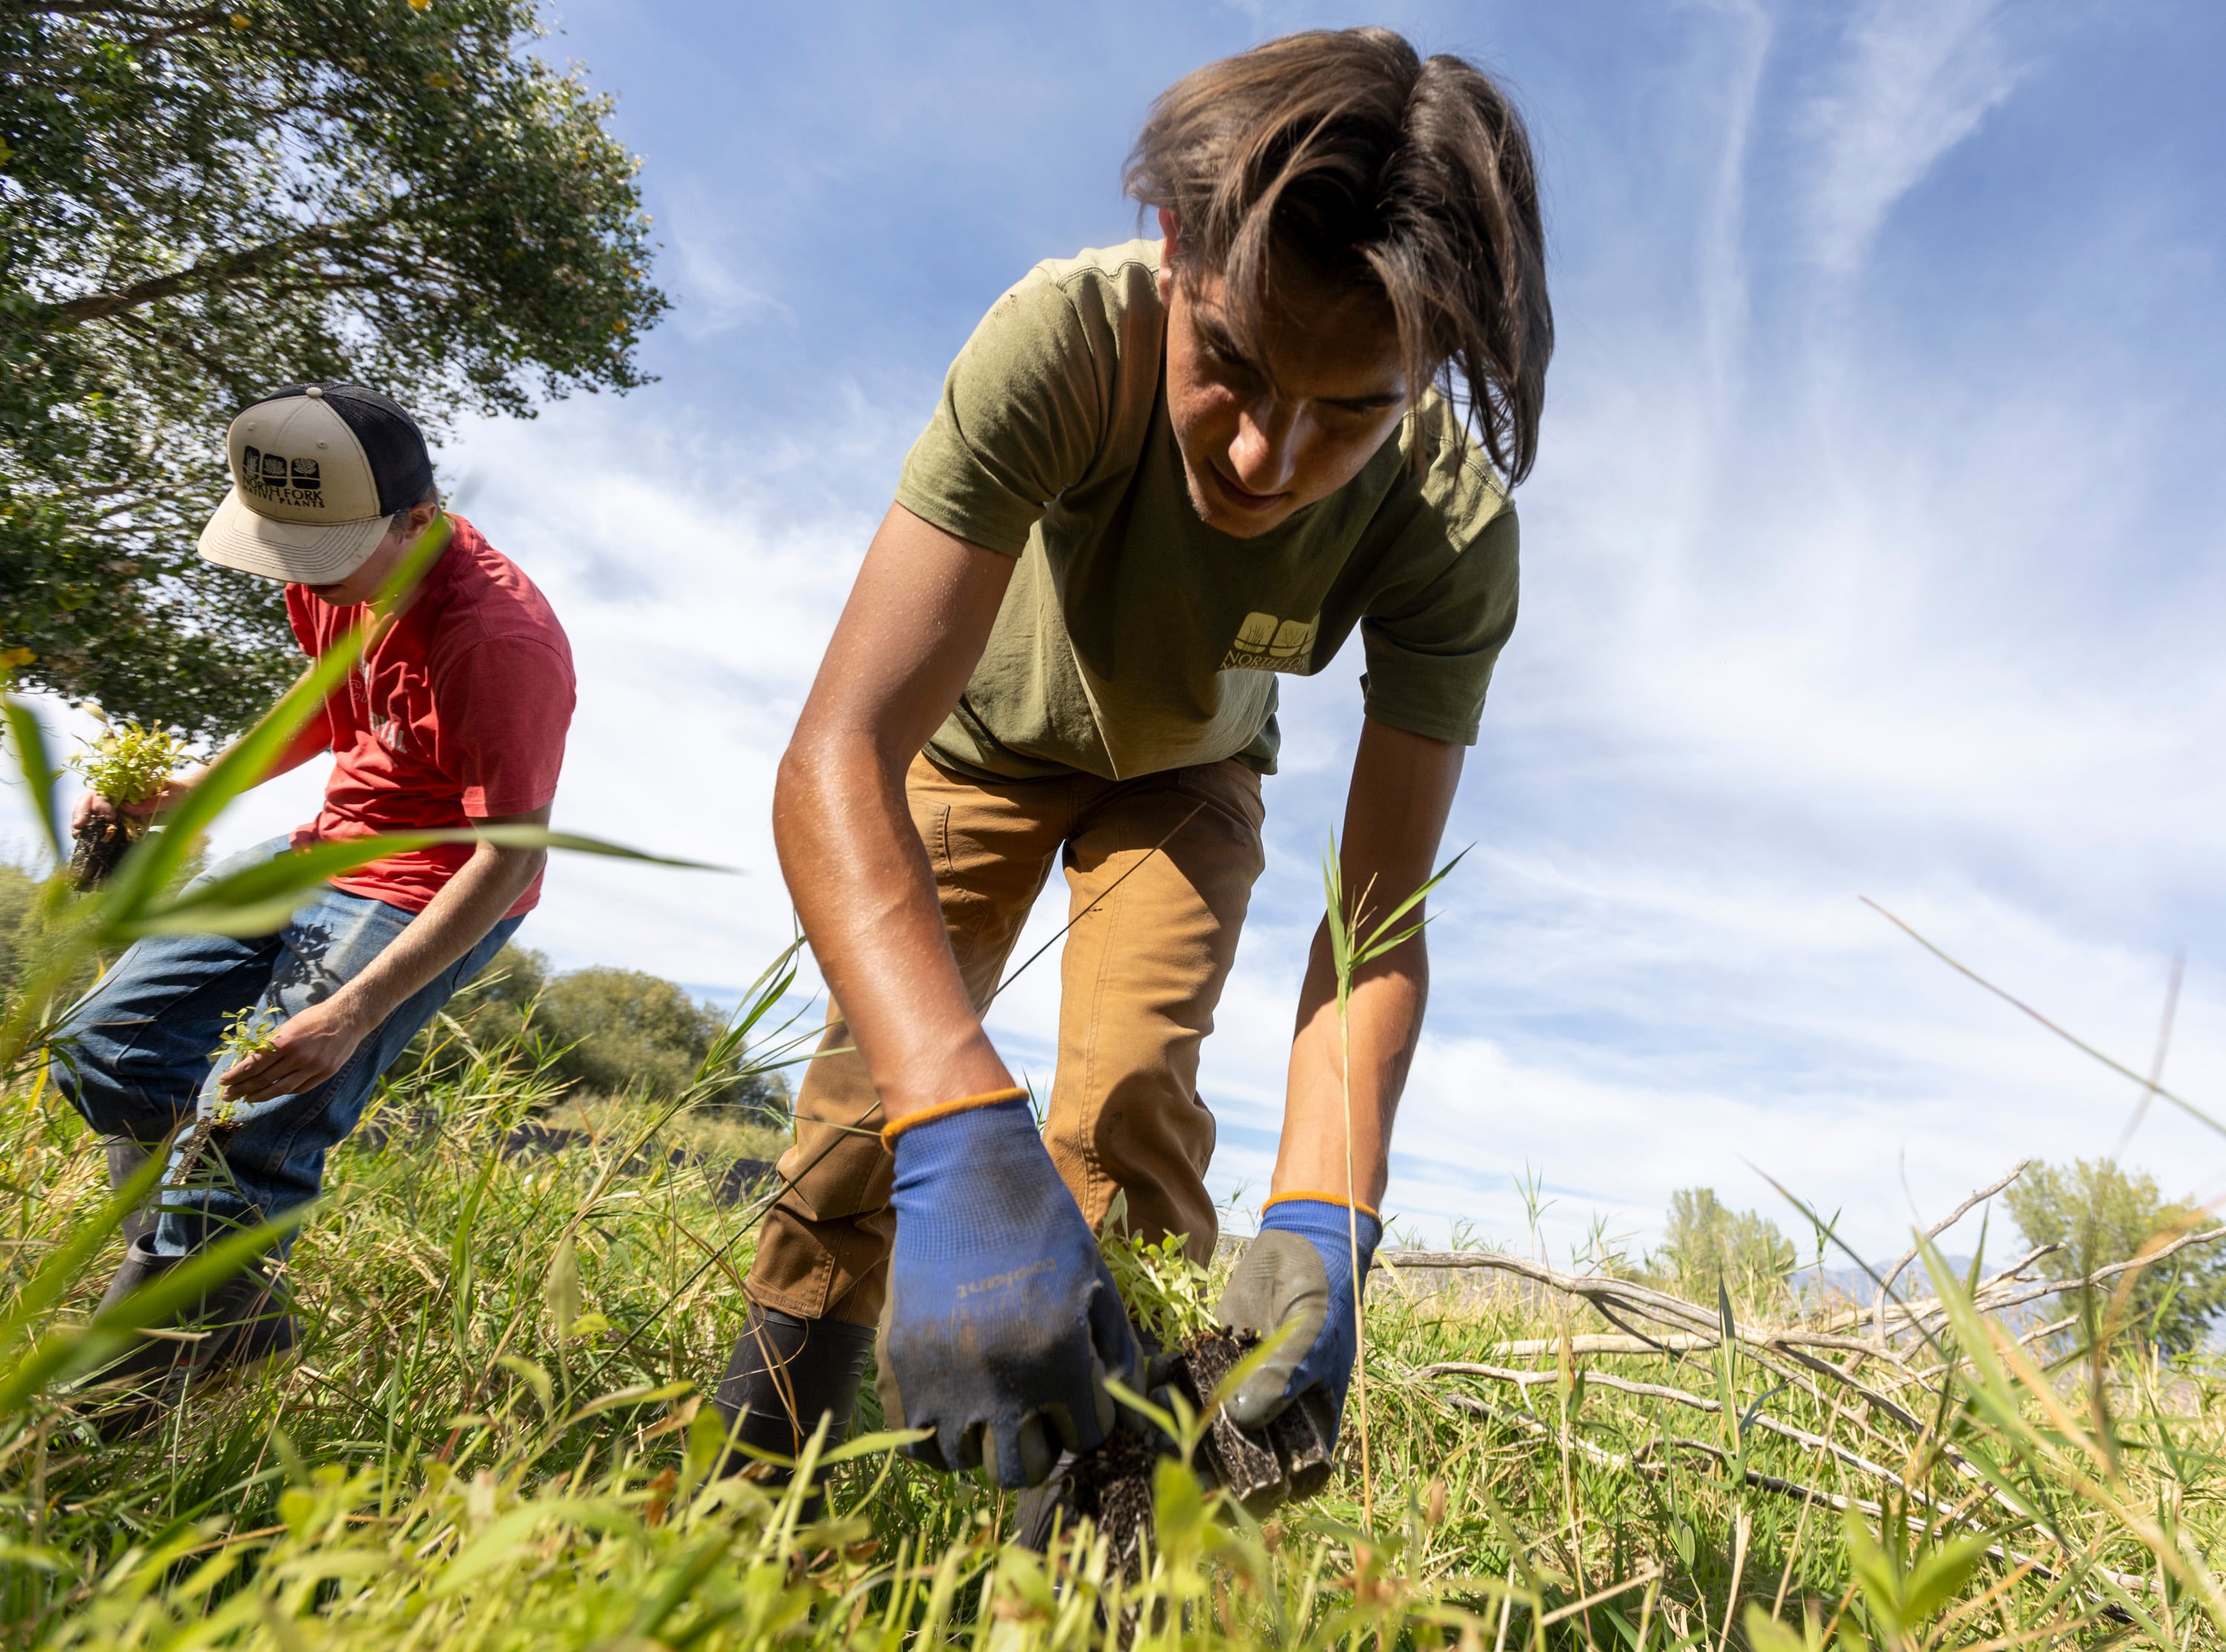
[(1917, 78)]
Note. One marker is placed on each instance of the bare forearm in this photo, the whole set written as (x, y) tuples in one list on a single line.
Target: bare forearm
[(1403, 788), (454, 922), (901, 653), (866, 897), (1384, 1020)]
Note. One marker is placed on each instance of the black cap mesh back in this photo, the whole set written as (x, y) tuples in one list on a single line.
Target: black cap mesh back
[(391, 440)]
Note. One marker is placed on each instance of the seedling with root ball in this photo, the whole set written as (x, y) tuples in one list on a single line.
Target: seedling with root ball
[(128, 765)]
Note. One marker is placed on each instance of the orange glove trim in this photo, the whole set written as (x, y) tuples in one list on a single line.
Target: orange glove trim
[(944, 1109), (1327, 1198)]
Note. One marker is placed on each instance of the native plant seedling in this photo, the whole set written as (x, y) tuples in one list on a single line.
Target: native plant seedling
[(247, 1032), (127, 764)]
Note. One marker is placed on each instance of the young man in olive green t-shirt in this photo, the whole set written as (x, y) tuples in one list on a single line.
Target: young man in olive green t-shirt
[(1160, 475)]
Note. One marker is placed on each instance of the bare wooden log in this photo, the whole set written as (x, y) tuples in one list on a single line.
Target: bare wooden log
[(1887, 1279)]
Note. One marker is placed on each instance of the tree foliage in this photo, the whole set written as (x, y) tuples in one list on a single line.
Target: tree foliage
[(199, 202), (2101, 1215), (618, 1029), (1707, 1241)]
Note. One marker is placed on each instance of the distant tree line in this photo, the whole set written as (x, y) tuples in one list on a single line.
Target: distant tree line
[(2097, 1210), (610, 1030)]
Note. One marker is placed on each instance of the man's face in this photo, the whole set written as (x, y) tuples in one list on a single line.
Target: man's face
[(1261, 440), (370, 574)]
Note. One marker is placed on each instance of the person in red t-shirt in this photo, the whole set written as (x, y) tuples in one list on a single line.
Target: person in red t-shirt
[(454, 717)]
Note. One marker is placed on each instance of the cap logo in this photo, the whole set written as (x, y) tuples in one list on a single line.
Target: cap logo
[(276, 480)]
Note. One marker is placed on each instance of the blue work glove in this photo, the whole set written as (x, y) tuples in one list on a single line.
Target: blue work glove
[(1297, 1273), (1003, 1322)]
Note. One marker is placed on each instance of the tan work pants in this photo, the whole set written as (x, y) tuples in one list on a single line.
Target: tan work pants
[(1141, 973)]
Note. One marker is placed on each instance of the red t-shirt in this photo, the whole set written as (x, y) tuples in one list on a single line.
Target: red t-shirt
[(457, 714)]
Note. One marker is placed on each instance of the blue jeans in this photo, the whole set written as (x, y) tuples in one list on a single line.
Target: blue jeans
[(140, 1050)]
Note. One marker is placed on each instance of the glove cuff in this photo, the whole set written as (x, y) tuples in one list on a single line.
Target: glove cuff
[(1323, 1199), (944, 1109)]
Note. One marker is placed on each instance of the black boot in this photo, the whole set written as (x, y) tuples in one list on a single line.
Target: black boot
[(785, 1375), (126, 1156), (242, 1322)]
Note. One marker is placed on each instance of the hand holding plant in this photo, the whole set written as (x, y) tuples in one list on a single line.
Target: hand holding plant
[(128, 772)]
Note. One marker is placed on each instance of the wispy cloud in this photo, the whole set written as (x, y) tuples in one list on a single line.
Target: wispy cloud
[(1914, 79)]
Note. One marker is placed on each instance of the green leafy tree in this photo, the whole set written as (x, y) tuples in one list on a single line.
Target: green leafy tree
[(2101, 1215), (618, 1029), (199, 202), (1708, 1242)]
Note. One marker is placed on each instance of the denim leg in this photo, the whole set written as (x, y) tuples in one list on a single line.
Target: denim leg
[(274, 1158), (132, 1053)]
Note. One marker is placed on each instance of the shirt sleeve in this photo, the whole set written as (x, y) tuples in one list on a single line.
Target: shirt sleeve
[(504, 707), (1432, 646), (1023, 411)]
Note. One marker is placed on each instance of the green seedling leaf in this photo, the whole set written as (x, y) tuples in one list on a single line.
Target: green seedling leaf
[(1377, 943), (150, 866), (38, 771), (888, 1440), (1765, 1634), (1161, 1420), (563, 1287), (540, 1382), (1340, 939), (685, 1581), (260, 898), (462, 1271), (540, 837), (1937, 1576)]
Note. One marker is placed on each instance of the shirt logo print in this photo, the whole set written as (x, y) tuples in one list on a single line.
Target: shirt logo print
[(1266, 644)]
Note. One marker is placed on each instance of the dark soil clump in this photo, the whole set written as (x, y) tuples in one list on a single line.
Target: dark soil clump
[(101, 841), (1260, 1468)]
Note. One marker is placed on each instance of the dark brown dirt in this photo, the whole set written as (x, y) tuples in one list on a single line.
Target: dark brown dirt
[(1262, 1468), (100, 844)]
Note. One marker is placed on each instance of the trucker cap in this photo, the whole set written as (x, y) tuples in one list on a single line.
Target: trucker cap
[(316, 470)]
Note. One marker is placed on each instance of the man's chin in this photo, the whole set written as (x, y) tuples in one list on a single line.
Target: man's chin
[(1236, 524)]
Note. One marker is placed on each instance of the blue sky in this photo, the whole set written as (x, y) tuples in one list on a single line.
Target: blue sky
[(1874, 551)]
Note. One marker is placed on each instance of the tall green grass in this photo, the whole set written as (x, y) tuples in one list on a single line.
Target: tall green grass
[(493, 1436)]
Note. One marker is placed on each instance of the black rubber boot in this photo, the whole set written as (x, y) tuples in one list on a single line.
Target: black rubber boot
[(126, 1156), (242, 1322), (785, 1375)]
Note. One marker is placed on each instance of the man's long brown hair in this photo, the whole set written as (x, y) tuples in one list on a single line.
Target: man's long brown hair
[(1342, 159)]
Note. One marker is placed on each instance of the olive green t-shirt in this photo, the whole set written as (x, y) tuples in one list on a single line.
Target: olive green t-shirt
[(1133, 637)]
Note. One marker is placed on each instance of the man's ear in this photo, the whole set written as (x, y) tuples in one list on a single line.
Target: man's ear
[(1171, 231)]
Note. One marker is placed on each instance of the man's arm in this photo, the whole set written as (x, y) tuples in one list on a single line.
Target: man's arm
[(1394, 814), (317, 1043), (908, 639)]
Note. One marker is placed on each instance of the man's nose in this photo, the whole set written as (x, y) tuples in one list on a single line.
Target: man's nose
[(1265, 454)]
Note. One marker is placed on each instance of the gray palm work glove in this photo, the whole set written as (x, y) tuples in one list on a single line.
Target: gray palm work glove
[(1296, 1278)]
